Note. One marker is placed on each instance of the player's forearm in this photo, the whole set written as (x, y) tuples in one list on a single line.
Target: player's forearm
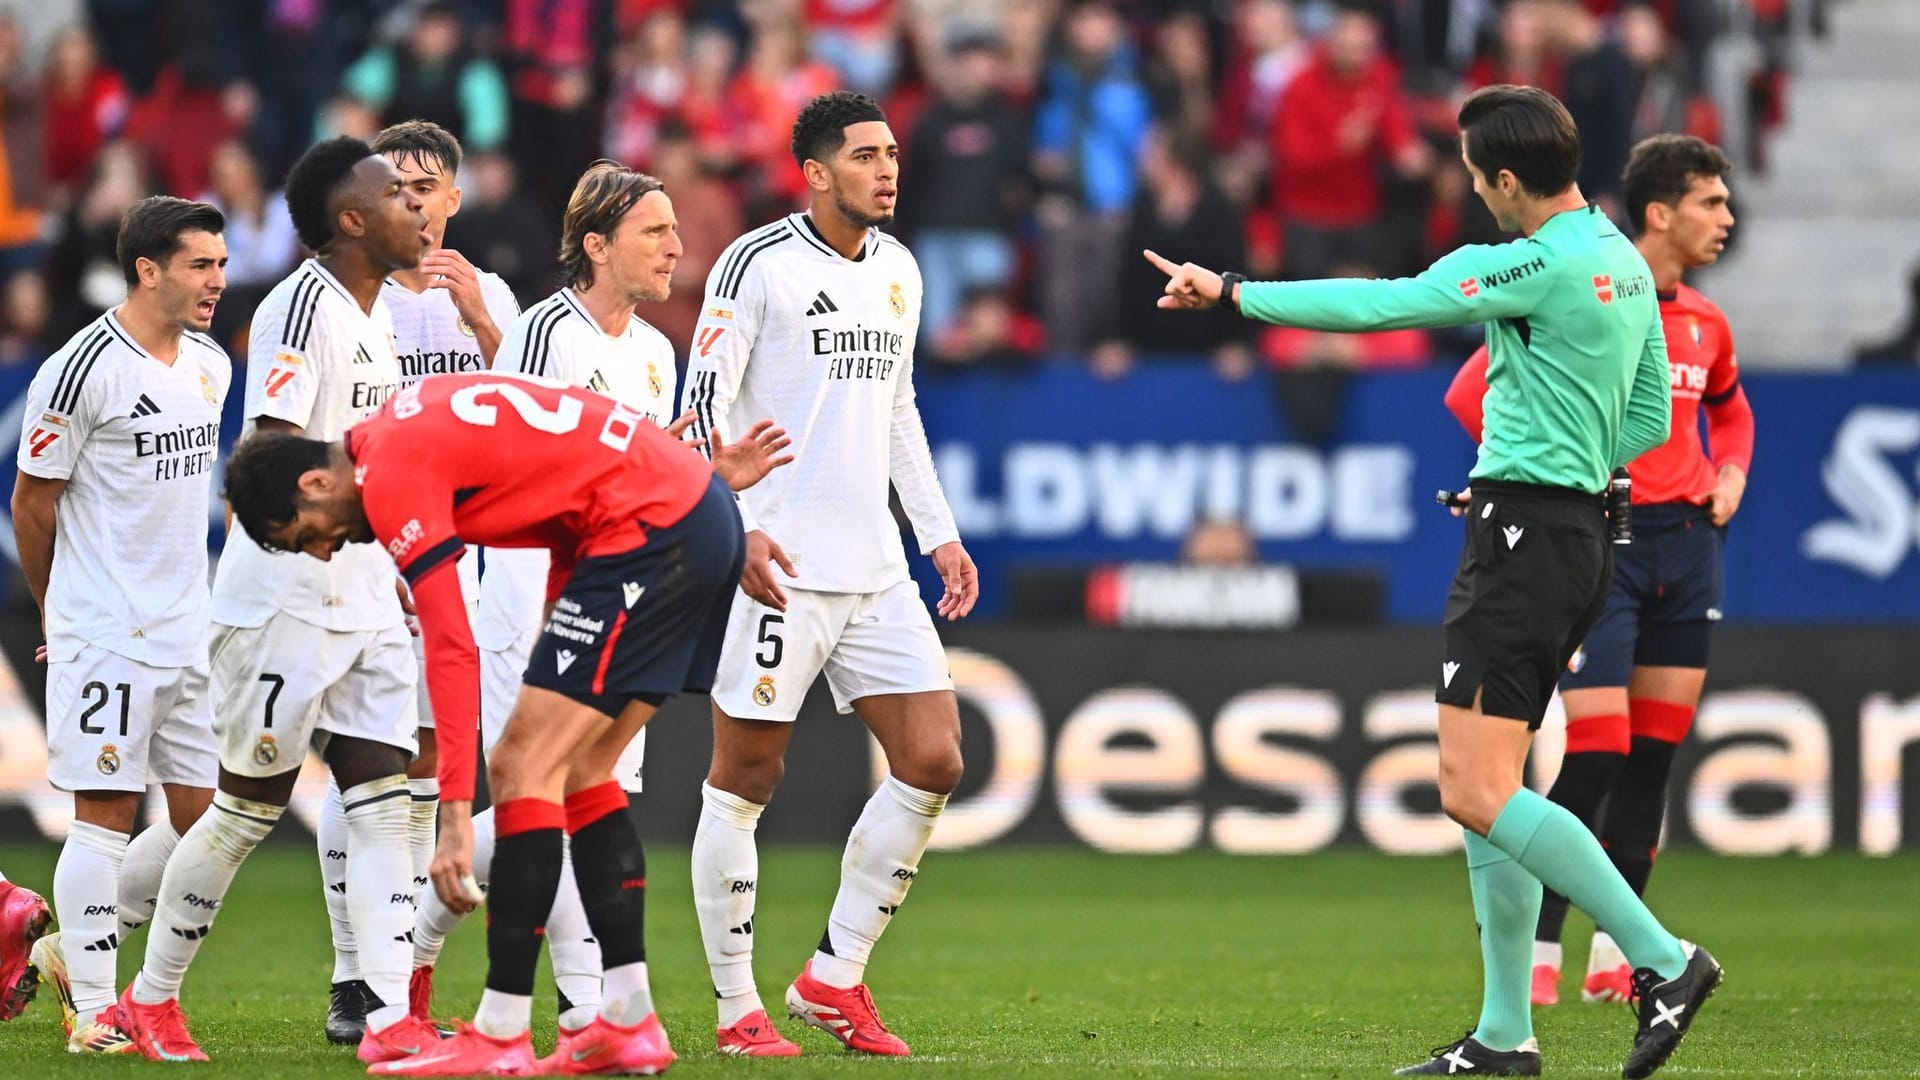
[(1649, 416), (486, 336), (1730, 431), (35, 518), (1352, 305), (910, 462), (453, 676)]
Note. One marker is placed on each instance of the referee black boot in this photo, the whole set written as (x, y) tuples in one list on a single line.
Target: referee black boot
[(347, 1009), (1469, 1058), (1667, 1009)]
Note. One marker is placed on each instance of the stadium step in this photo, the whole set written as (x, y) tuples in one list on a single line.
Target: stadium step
[(1828, 237)]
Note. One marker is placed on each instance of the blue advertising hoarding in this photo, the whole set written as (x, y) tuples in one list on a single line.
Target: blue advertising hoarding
[(1057, 467)]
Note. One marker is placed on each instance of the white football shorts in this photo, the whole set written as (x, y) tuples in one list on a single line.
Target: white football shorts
[(116, 724), (867, 643), (287, 683)]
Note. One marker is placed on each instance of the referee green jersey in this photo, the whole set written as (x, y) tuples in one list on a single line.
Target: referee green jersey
[(1577, 379)]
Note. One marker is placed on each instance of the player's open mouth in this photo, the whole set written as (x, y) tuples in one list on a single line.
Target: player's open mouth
[(205, 307), (885, 196)]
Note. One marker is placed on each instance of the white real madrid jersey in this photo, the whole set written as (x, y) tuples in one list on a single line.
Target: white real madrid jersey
[(794, 332), (431, 338), (136, 440), (557, 339), (317, 360)]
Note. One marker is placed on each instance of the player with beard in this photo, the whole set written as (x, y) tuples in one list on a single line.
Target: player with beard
[(811, 321), (305, 652)]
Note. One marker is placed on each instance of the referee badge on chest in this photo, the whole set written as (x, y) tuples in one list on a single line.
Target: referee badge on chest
[(897, 300), (265, 752), (109, 760), (763, 693)]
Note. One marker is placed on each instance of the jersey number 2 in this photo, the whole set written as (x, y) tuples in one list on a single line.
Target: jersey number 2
[(98, 693), (621, 423)]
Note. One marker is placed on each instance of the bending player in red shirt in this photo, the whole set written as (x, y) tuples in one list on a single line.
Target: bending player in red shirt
[(646, 551), (1631, 690)]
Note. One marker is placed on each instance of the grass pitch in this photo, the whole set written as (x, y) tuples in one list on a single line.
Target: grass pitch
[(1030, 962)]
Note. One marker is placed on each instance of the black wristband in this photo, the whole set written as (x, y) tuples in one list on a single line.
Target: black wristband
[(1227, 281)]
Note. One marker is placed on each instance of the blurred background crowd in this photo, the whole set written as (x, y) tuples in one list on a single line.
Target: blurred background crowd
[(1045, 141)]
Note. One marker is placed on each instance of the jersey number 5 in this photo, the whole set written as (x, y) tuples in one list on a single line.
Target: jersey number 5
[(770, 659), (617, 433)]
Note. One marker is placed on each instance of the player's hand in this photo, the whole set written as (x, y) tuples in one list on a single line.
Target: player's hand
[(406, 606), (40, 653), (745, 463), (1461, 500), (678, 429), (1725, 500), (1190, 286), (448, 269), (757, 580), (962, 579), (452, 868)]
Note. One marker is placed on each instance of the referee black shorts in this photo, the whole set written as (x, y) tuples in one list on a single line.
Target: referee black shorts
[(1533, 578)]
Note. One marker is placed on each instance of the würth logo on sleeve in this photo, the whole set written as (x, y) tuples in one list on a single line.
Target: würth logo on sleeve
[(1603, 287), (1470, 288)]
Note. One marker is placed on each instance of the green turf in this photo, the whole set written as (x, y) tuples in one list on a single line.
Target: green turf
[(1044, 963)]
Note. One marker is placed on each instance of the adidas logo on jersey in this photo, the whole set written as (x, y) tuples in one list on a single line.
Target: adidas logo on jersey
[(822, 304), (144, 407)]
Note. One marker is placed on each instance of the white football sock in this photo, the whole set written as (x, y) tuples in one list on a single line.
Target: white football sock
[(194, 885), (572, 947), (335, 849), (1547, 953), (86, 893), (503, 1016), (726, 872), (380, 891), (423, 819), (882, 858), (435, 920), (627, 997), (140, 874)]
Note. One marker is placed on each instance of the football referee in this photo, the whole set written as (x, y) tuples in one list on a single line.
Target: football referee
[(1577, 385)]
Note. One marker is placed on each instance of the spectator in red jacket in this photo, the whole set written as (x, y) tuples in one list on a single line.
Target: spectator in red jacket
[(1343, 119), (86, 104)]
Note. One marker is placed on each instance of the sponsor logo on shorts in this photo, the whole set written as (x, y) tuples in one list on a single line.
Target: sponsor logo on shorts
[(265, 753), (1447, 671), (632, 591), (1714, 614), (566, 658), (109, 760), (1513, 533), (763, 692)]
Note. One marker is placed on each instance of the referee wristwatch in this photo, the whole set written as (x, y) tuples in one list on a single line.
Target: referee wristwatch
[(1227, 281)]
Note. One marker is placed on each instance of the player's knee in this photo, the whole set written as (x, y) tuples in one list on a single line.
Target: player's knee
[(1468, 800), (753, 779), (936, 768)]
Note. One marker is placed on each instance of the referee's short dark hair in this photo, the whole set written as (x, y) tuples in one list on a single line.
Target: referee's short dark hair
[(313, 181), (423, 141), (152, 227), (603, 195), (1524, 130), (263, 479), (821, 129), (1662, 169)]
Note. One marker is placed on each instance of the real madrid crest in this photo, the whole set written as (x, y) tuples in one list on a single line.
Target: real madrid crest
[(206, 391), (897, 300), (653, 378), (265, 752), (763, 693), (109, 760), (465, 326)]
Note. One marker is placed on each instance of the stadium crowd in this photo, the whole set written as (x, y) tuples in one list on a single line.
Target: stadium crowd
[(1049, 138)]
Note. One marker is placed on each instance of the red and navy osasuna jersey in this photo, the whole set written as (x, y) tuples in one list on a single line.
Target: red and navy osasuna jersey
[(1705, 373), (506, 461)]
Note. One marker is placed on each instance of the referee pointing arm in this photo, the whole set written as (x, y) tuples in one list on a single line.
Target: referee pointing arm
[(1577, 384)]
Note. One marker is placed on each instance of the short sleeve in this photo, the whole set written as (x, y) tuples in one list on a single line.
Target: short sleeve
[(287, 353), (61, 410)]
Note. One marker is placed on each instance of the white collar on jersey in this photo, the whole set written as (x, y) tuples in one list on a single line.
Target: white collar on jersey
[(802, 225)]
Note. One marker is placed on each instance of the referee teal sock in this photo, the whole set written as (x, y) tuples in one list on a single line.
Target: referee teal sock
[(1506, 904), (1553, 846)]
